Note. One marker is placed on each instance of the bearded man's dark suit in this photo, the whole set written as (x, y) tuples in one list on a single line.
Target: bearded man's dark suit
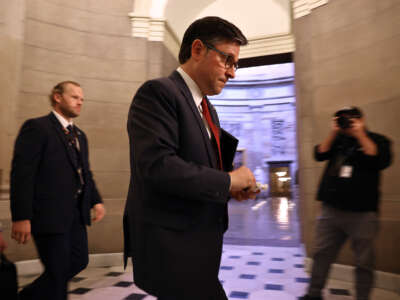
[(47, 190), (176, 210)]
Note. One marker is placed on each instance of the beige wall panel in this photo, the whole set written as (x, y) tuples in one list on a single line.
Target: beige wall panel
[(112, 184), (322, 123), (11, 49), (117, 7), (390, 179), (388, 246), (106, 236), (99, 115), (89, 67), (154, 70), (365, 63), (110, 159), (344, 13), (390, 208), (117, 48), (106, 138), (109, 91), (307, 155), (169, 62), (69, 41), (304, 101), (358, 91), (155, 50), (53, 37), (115, 207), (305, 82), (364, 34), (305, 129), (309, 181), (389, 112), (75, 18), (10, 53), (32, 106), (110, 50)]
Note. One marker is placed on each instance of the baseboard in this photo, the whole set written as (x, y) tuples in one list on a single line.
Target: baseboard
[(383, 280), (34, 266)]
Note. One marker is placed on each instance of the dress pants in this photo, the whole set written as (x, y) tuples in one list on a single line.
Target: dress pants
[(334, 227), (63, 256)]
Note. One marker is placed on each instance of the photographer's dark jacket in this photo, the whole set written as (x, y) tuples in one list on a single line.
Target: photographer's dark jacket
[(359, 192)]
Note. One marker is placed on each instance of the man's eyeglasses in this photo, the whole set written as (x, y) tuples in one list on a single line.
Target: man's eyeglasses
[(229, 60)]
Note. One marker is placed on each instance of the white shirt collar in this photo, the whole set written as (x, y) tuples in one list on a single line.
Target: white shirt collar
[(62, 120), (193, 87)]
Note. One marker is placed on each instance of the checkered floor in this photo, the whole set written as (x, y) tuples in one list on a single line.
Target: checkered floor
[(247, 272)]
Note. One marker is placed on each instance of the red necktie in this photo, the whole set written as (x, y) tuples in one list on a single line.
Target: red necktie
[(213, 127)]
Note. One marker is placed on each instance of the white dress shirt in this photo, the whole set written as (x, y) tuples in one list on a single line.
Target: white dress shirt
[(196, 94)]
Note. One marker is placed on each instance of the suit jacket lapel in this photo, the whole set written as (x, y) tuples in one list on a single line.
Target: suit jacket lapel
[(180, 83), (61, 134)]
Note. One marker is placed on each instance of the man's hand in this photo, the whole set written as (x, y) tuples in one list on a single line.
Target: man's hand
[(99, 212), (21, 231), (3, 244), (357, 128), (242, 179), (335, 126)]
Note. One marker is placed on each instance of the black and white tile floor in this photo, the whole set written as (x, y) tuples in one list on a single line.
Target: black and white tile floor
[(247, 272)]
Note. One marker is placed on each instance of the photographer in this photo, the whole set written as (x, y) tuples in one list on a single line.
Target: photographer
[(349, 190)]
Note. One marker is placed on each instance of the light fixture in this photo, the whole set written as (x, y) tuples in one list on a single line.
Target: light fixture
[(284, 179)]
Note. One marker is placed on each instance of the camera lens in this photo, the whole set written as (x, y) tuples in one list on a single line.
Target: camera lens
[(343, 122)]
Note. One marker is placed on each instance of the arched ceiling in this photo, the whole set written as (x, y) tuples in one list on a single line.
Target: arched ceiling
[(266, 23), (256, 18)]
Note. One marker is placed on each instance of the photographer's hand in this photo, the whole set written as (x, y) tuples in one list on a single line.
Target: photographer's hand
[(358, 131)]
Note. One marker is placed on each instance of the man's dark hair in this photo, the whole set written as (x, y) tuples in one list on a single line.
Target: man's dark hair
[(351, 111), (209, 30), (59, 88)]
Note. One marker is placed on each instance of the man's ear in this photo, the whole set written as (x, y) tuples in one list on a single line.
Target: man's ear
[(57, 98), (197, 49)]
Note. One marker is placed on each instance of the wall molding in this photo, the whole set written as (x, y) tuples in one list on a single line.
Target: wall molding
[(268, 45), (156, 29), (302, 8)]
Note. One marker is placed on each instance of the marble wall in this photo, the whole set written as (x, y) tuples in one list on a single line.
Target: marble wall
[(45, 42), (347, 53)]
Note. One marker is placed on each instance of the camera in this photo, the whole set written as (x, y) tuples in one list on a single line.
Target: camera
[(344, 122), (345, 116)]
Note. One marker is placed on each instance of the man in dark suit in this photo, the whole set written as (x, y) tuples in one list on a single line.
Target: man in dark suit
[(176, 210), (52, 192), (3, 243)]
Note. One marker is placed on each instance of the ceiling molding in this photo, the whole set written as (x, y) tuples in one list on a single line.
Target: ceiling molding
[(302, 8), (158, 29), (268, 45)]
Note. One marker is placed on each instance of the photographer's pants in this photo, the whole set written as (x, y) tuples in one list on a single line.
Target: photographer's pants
[(334, 227)]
